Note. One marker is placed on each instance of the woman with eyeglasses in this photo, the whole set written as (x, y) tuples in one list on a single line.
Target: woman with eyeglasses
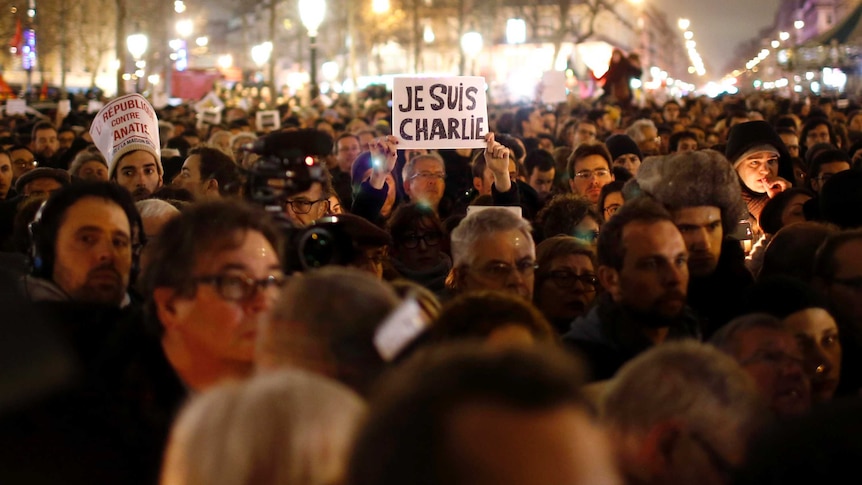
[(419, 246), (566, 282)]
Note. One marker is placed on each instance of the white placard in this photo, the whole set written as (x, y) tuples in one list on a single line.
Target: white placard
[(267, 120), (439, 112), (16, 107), (553, 87), (403, 325), (209, 117), (210, 101), (127, 119)]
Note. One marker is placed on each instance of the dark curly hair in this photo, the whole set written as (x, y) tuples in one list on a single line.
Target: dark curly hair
[(563, 213)]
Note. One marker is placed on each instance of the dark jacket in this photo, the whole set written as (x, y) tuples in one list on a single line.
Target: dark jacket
[(717, 298), (608, 336), (107, 425)]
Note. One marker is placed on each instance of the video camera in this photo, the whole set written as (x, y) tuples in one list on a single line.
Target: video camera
[(290, 163)]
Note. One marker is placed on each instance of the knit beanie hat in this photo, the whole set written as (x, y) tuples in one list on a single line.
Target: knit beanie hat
[(756, 134), (620, 145), (125, 125)]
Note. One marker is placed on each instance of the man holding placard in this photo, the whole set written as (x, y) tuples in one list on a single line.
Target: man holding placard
[(126, 131)]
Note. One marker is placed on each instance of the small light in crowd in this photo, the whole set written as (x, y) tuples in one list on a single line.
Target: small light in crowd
[(683, 24), (179, 6), (799, 25), (202, 41), (784, 36), (775, 44), (127, 76), (154, 79), (688, 35)]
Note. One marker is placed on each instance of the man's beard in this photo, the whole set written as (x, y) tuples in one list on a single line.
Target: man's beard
[(141, 193), (662, 312), (104, 285)]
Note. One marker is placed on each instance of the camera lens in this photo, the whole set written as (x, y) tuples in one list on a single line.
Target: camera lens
[(317, 248)]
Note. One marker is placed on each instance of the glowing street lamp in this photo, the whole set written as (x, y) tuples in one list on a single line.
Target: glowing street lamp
[(185, 28), (516, 31), (260, 53), (137, 45), (378, 6), (312, 12), (471, 43), (225, 61)]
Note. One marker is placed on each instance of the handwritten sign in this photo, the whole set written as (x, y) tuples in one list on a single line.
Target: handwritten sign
[(445, 112), (210, 101), (125, 121), (267, 121)]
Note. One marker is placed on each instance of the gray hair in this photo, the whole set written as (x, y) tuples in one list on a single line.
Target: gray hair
[(689, 381), (166, 132), (636, 130), (726, 338), (409, 169), (155, 208), (228, 434), (84, 156), (308, 330), (692, 179), (483, 223)]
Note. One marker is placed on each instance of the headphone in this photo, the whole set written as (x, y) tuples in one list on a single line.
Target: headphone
[(41, 253)]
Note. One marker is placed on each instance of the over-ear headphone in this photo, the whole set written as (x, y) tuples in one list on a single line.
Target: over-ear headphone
[(43, 232)]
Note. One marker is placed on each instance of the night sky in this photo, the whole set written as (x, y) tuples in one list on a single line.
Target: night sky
[(720, 25)]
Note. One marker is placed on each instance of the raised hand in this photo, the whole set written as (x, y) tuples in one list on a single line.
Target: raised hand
[(497, 160), (384, 153)]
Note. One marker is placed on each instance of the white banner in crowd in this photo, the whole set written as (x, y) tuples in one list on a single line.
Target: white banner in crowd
[(553, 87), (127, 120), (16, 107), (439, 112)]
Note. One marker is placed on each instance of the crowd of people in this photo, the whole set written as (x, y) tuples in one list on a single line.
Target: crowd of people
[(599, 295)]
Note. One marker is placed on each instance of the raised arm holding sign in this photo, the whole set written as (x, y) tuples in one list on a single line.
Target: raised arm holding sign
[(440, 113)]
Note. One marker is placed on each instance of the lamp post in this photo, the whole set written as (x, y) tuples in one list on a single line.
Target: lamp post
[(137, 45), (260, 53), (471, 44), (312, 12)]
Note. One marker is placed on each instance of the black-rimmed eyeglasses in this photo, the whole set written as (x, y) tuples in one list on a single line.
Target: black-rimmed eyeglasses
[(233, 287)]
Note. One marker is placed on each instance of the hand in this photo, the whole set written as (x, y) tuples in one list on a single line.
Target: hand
[(775, 185), (497, 160), (384, 154)]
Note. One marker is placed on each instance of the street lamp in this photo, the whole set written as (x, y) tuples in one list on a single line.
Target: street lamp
[(137, 45), (185, 28), (312, 12), (471, 43), (260, 53)]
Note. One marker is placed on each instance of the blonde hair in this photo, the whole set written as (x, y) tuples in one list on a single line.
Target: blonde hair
[(282, 428)]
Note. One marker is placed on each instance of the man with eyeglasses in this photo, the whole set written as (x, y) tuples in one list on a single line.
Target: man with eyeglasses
[(213, 276), (23, 160), (643, 267), (425, 180), (590, 170), (305, 207), (493, 249)]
